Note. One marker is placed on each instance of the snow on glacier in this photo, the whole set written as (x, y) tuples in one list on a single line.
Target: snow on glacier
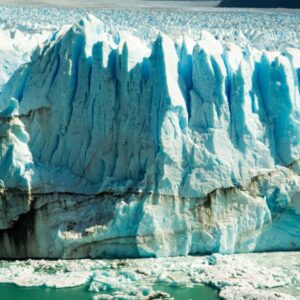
[(159, 148), (15, 49)]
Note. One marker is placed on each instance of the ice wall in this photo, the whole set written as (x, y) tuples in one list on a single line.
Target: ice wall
[(168, 148)]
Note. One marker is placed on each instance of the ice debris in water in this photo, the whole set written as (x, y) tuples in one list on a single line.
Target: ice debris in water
[(235, 276)]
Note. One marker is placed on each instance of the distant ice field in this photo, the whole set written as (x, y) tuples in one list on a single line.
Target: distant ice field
[(264, 29), (116, 3)]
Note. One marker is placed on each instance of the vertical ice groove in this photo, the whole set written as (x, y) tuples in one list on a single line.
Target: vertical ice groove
[(185, 70), (208, 108), (276, 80), (172, 118), (16, 163), (76, 54), (97, 65)]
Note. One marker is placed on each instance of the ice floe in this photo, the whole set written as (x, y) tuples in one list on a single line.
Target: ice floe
[(241, 276)]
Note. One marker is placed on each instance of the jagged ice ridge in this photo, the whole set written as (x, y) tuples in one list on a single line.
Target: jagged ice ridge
[(114, 147)]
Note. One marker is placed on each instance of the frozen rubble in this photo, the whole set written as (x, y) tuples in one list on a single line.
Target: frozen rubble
[(114, 147), (240, 276)]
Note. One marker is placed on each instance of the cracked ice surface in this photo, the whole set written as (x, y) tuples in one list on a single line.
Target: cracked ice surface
[(243, 276), (269, 29)]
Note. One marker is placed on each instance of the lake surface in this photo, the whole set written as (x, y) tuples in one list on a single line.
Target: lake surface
[(13, 292)]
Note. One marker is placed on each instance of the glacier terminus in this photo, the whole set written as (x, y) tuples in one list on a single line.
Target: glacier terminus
[(114, 146)]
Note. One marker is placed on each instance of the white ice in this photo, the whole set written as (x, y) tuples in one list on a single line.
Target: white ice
[(242, 276)]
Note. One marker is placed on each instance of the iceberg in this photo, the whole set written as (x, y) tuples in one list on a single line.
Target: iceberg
[(130, 148)]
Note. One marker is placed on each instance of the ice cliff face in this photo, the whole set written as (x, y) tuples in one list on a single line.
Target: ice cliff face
[(115, 147)]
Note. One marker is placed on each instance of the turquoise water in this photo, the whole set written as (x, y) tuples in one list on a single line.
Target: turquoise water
[(199, 292), (13, 292)]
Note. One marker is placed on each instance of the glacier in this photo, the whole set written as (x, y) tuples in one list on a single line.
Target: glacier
[(114, 146)]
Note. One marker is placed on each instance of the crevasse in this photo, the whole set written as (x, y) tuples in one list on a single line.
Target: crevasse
[(161, 149)]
